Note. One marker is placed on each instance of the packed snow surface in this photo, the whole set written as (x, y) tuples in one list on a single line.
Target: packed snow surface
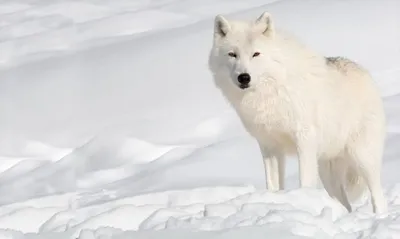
[(111, 127)]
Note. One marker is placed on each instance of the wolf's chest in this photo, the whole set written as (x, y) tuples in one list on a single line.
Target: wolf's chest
[(269, 116), (271, 109)]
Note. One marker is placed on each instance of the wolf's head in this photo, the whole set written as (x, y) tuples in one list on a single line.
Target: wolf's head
[(241, 51)]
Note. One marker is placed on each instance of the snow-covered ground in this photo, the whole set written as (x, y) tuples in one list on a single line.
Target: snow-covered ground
[(111, 127)]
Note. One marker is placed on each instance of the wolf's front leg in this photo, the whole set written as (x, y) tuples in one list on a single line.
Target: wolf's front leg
[(274, 166), (308, 164)]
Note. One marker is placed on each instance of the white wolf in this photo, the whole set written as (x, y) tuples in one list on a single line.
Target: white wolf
[(325, 110)]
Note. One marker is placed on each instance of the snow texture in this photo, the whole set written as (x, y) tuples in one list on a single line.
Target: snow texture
[(111, 126)]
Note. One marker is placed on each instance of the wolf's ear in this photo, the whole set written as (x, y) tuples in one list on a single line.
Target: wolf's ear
[(221, 26), (264, 24)]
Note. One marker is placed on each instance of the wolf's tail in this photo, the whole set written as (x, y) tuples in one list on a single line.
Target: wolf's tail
[(342, 181), (354, 184)]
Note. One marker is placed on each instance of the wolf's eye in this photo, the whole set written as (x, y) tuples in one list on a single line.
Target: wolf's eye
[(256, 54), (232, 54)]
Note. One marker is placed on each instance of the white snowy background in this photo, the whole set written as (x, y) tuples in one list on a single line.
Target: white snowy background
[(111, 127)]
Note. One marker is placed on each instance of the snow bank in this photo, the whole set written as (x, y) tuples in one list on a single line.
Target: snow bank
[(108, 133)]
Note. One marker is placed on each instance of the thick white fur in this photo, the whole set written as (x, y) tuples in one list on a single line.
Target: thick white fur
[(326, 110)]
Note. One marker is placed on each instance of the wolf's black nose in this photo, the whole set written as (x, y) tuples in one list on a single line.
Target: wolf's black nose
[(244, 78)]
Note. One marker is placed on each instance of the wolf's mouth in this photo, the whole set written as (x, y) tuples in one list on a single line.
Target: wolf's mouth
[(244, 86)]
